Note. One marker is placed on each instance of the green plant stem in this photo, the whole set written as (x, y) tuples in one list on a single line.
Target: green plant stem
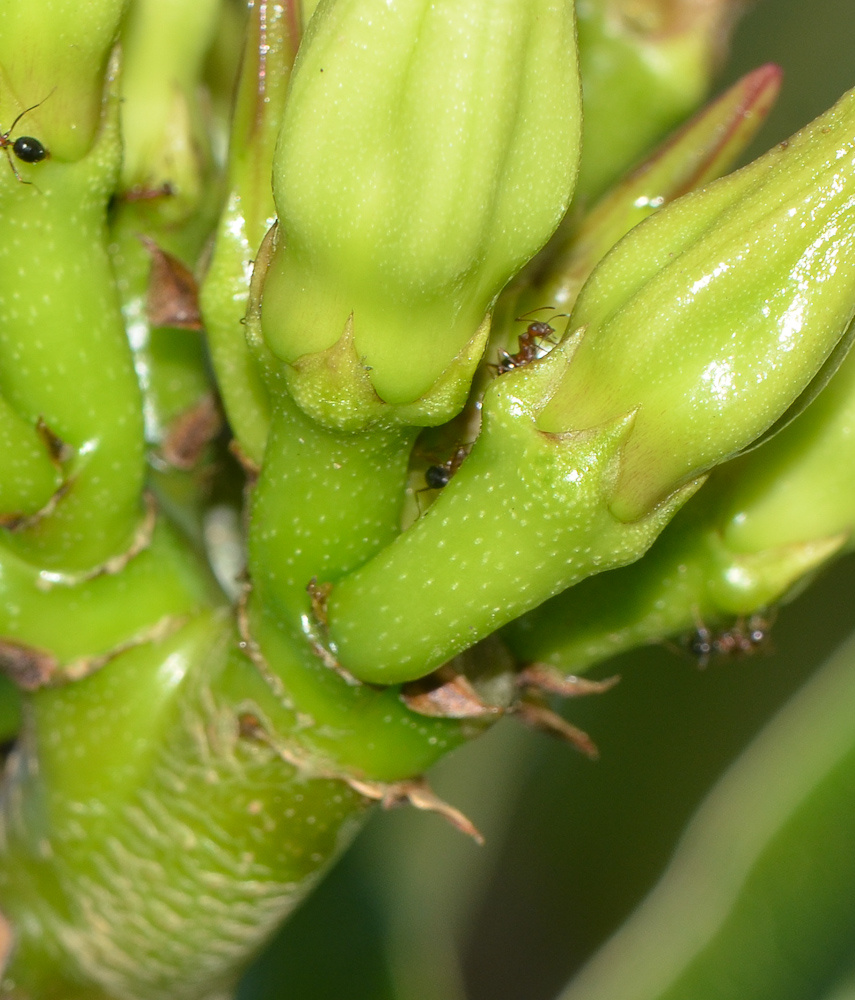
[(53, 331), (326, 501), (761, 525), (203, 753), (94, 617), (104, 904), (526, 516)]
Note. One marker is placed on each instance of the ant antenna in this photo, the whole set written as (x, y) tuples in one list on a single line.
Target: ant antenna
[(555, 315)]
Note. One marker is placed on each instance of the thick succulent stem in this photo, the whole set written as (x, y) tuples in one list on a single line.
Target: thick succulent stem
[(61, 314), (188, 768), (526, 516)]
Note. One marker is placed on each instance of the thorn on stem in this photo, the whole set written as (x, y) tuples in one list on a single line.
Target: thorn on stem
[(550, 680), (546, 721), (416, 792)]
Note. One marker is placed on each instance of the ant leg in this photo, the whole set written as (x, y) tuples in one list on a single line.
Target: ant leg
[(702, 644), (18, 177)]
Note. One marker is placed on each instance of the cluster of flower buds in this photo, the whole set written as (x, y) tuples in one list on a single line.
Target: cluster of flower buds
[(224, 663)]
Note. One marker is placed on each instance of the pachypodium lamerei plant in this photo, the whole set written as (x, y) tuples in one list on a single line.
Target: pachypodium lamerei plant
[(418, 290)]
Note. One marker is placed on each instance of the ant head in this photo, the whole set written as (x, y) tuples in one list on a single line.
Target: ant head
[(701, 646), (541, 327), (437, 476)]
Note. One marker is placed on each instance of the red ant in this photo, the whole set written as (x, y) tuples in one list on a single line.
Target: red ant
[(741, 639), (529, 348), (25, 147)]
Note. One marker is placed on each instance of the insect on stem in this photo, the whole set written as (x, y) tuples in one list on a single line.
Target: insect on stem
[(530, 342), (26, 148)]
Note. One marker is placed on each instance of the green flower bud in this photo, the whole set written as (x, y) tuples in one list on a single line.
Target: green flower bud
[(762, 525), (646, 64), (710, 319), (163, 44), (702, 150), (55, 55), (427, 151)]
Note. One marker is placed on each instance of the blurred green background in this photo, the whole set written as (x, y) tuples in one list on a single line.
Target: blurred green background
[(414, 911)]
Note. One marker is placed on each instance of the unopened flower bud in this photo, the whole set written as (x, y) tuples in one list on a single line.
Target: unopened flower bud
[(164, 144), (55, 55), (646, 64), (702, 150), (428, 150), (709, 319)]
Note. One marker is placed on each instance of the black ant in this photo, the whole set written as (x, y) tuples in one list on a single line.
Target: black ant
[(25, 147), (438, 476), (743, 638), (529, 347)]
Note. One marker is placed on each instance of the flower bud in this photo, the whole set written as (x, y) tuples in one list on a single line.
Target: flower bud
[(709, 319), (165, 147), (763, 525), (702, 150), (646, 64), (55, 55), (428, 150)]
